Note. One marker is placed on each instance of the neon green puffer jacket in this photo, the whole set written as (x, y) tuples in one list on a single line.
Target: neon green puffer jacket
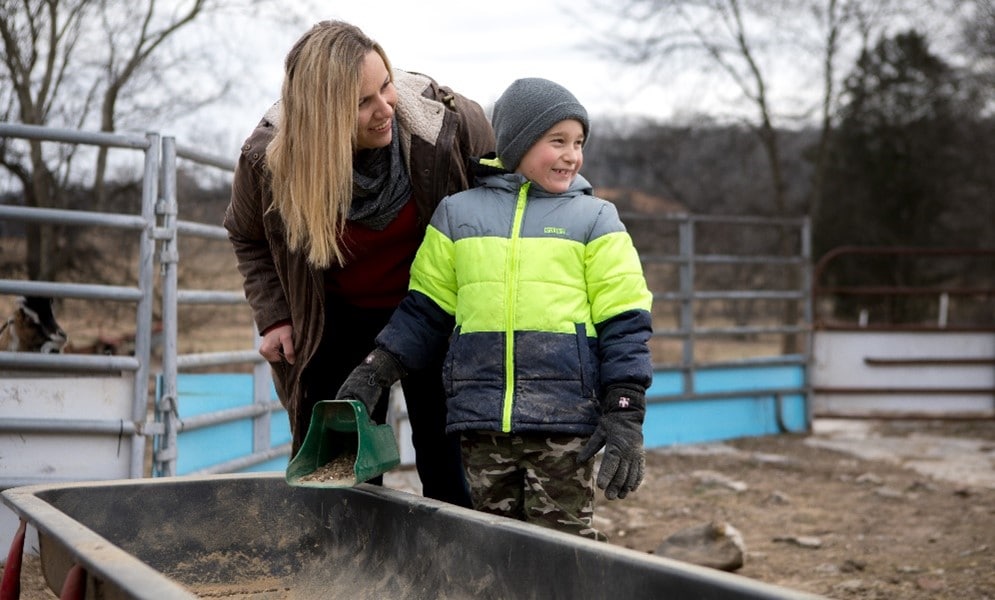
[(542, 299)]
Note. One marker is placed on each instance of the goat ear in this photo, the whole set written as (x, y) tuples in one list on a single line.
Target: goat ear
[(31, 314), (39, 304)]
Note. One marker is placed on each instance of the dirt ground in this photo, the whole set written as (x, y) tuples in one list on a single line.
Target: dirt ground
[(870, 509), (902, 510)]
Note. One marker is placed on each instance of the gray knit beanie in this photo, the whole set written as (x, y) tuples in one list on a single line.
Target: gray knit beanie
[(526, 110)]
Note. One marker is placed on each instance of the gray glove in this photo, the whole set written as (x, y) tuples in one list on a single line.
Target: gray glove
[(621, 433), (367, 382)]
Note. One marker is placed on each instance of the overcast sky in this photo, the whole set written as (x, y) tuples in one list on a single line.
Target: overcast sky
[(481, 47), (477, 48)]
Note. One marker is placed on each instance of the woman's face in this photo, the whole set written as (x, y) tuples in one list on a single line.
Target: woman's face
[(377, 98)]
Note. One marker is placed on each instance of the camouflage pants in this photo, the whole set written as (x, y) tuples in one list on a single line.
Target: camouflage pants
[(533, 478)]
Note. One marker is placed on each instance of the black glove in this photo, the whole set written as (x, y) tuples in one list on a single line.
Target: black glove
[(367, 382), (621, 433)]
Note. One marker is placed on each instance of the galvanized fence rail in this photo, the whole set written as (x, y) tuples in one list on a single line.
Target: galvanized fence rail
[(262, 407), (159, 231), (773, 378), (906, 346), (141, 294)]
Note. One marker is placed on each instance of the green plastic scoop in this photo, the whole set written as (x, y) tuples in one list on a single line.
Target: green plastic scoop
[(342, 447)]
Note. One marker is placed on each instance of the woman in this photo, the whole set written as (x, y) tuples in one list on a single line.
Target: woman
[(330, 200)]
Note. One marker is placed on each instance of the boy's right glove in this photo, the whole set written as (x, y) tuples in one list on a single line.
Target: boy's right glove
[(367, 382), (621, 433)]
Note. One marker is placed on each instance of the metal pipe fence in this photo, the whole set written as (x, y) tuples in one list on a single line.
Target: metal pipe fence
[(141, 293), (690, 289), (160, 229)]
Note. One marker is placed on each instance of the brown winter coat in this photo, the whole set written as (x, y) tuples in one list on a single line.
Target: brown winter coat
[(440, 131)]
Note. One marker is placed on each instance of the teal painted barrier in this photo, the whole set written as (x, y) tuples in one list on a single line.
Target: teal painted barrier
[(743, 404), (198, 449), (708, 420)]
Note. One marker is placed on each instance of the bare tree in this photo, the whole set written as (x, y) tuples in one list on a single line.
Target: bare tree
[(978, 40), (767, 51), (39, 44), (133, 34), (109, 65), (774, 54), (980, 27)]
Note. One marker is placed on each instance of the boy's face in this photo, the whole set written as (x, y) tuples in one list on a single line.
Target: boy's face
[(555, 159)]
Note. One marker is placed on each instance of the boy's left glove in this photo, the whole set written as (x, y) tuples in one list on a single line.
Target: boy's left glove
[(621, 433), (367, 382)]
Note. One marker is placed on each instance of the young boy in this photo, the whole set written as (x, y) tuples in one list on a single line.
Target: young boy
[(539, 292)]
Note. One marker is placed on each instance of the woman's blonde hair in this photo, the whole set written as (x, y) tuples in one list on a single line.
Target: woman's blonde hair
[(310, 156)]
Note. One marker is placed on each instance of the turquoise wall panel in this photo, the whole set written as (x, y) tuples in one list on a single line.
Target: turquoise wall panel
[(741, 414), (668, 422), (695, 421), (204, 393)]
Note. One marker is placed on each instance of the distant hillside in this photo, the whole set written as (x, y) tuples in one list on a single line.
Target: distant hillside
[(637, 201)]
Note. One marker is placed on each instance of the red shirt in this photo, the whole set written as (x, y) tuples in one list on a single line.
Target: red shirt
[(378, 263)]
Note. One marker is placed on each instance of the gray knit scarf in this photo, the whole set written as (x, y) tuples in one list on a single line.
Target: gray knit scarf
[(380, 184)]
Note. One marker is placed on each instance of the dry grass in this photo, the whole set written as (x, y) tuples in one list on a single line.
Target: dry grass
[(204, 265)]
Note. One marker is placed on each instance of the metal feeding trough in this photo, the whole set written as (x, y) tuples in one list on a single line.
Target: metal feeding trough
[(252, 536)]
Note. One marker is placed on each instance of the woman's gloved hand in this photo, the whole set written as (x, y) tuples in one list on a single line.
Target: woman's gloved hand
[(367, 382)]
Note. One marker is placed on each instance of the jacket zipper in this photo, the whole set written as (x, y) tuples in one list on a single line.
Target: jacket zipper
[(511, 277)]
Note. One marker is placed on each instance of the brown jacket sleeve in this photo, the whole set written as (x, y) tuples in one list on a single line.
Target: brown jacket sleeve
[(256, 237), (441, 158), (476, 137)]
